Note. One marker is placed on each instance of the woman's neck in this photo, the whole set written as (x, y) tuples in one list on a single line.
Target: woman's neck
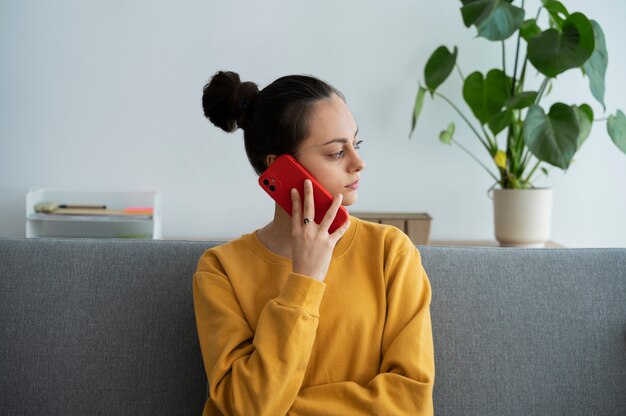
[(276, 235)]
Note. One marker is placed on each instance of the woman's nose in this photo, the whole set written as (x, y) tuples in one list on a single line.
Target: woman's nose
[(357, 164)]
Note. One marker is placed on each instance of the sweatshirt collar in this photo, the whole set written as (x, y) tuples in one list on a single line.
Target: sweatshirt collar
[(340, 249)]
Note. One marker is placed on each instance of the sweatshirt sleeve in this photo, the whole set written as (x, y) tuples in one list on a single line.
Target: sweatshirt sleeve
[(255, 373), (404, 385)]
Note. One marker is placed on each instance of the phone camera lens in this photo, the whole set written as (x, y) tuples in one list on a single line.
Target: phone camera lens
[(272, 188), (266, 182)]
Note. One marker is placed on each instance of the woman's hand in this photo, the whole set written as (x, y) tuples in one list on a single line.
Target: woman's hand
[(312, 245)]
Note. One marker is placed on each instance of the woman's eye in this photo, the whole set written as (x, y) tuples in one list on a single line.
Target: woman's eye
[(342, 153)]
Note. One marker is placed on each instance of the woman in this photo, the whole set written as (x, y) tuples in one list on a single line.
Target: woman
[(294, 320)]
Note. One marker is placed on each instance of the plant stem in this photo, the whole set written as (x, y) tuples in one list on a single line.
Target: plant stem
[(520, 141), (503, 58), (464, 119), (458, 68), (542, 89), (510, 150), (522, 77), (476, 159), (532, 172), (525, 158), (493, 147), (519, 36)]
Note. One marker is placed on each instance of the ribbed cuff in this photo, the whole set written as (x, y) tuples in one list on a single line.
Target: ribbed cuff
[(302, 291)]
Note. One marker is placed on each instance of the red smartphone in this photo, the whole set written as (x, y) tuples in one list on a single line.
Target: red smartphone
[(285, 174)]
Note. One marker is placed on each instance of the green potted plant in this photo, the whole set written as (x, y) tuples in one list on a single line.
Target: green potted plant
[(521, 137)]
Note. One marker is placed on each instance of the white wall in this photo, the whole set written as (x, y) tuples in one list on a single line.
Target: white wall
[(106, 95)]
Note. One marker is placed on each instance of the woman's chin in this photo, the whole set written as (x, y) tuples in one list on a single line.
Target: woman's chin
[(349, 199)]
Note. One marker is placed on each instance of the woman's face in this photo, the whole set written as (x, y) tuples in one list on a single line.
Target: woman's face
[(330, 152)]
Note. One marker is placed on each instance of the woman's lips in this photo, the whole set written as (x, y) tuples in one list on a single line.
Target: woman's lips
[(353, 186)]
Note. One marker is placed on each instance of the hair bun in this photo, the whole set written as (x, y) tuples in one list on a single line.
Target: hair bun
[(227, 102)]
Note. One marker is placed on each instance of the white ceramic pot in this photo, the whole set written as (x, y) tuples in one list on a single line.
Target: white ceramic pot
[(522, 216)]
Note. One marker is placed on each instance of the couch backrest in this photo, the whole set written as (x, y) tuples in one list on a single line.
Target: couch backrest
[(528, 332), (94, 327), (107, 327)]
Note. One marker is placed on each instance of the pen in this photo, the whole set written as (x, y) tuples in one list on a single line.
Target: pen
[(74, 206), (50, 207)]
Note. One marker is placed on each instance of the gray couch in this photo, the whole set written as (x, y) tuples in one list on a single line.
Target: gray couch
[(92, 327)]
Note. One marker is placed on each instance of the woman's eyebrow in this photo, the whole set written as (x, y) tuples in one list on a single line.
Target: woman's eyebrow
[(340, 140)]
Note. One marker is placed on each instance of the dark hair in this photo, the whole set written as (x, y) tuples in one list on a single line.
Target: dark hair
[(274, 120)]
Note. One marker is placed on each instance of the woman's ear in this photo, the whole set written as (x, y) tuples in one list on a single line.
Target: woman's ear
[(269, 159)]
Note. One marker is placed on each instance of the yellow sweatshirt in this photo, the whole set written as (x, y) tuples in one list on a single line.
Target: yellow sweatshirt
[(278, 343)]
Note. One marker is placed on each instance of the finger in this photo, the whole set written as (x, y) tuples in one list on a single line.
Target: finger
[(329, 217), (339, 232), (296, 209), (308, 211)]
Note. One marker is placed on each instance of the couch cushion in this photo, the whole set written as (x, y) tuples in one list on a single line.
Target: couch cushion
[(99, 327), (528, 332), (107, 327)]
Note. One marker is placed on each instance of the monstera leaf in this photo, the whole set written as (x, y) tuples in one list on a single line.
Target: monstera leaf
[(552, 52), (529, 29), (616, 126), (446, 136), (417, 108), (439, 66), (500, 121), (584, 115), (557, 11), (552, 137), (595, 67), (494, 19), (521, 100), (486, 96)]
